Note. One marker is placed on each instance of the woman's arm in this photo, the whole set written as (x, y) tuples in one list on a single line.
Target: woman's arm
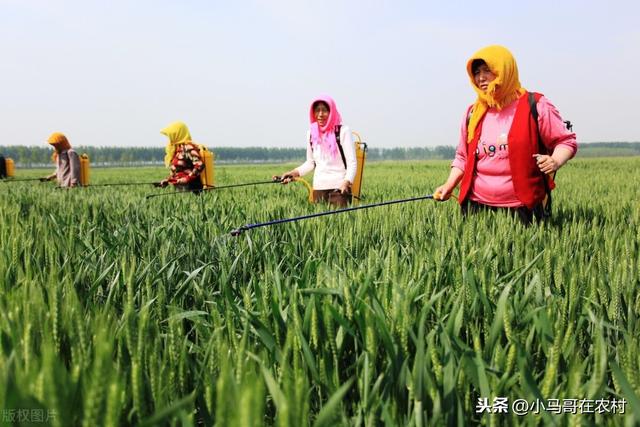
[(557, 139), (301, 170), (48, 177), (549, 164), (172, 173), (444, 191)]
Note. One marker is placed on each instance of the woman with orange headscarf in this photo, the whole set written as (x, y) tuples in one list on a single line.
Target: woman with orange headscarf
[(67, 162), (331, 152), (506, 156)]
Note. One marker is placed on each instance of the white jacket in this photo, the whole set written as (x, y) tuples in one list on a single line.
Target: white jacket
[(330, 172)]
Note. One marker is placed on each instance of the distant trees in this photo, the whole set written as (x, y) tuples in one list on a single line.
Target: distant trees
[(27, 156)]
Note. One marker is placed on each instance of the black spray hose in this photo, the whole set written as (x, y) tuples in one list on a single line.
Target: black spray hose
[(248, 227), (214, 187), (7, 180), (123, 183)]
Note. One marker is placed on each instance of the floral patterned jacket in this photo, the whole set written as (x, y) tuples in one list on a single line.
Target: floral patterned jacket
[(187, 163)]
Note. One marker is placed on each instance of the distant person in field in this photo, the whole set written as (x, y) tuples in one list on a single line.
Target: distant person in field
[(505, 160), (331, 152), (3, 167), (183, 157), (67, 162)]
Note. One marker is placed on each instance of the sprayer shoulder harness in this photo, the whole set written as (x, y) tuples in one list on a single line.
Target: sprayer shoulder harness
[(533, 98), (337, 133)]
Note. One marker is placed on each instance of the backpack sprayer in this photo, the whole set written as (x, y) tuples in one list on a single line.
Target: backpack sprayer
[(84, 170), (7, 168), (8, 171)]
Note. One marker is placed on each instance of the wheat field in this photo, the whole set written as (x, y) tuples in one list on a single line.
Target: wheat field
[(121, 310)]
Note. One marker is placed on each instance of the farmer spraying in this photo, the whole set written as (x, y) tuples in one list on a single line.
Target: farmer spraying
[(331, 152), (183, 157), (505, 156), (67, 162)]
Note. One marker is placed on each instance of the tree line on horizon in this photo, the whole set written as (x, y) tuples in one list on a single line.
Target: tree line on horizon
[(31, 156)]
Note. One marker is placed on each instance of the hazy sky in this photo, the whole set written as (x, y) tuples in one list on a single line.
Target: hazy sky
[(243, 72)]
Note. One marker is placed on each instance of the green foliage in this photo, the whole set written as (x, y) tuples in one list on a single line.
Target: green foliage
[(116, 310), (609, 149)]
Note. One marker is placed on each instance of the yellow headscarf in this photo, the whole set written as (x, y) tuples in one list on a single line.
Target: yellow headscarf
[(178, 133), (502, 91)]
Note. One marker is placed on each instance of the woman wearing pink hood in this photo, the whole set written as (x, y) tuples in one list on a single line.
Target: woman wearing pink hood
[(331, 152)]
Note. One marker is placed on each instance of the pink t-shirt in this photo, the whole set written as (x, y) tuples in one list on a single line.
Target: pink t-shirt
[(493, 184)]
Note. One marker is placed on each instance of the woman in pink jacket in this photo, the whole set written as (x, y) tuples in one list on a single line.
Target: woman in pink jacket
[(506, 156)]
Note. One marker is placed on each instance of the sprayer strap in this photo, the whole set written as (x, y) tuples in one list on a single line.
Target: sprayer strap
[(344, 159)]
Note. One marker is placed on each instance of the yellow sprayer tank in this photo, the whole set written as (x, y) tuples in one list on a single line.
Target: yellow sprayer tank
[(207, 176), (361, 153), (84, 170), (11, 167)]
